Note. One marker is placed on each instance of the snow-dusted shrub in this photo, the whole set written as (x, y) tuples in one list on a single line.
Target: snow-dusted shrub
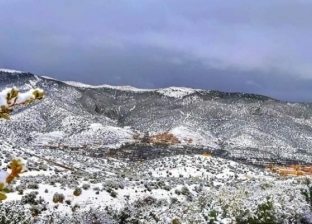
[(77, 191), (176, 221), (250, 203), (57, 197), (113, 193), (14, 213), (33, 186), (17, 166), (90, 216), (307, 192), (11, 97), (29, 198), (86, 186)]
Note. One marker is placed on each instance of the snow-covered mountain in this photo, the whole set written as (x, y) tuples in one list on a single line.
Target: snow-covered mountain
[(234, 125), (105, 154)]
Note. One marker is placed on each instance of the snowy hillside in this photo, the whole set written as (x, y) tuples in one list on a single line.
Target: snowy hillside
[(68, 187), (109, 154), (227, 123)]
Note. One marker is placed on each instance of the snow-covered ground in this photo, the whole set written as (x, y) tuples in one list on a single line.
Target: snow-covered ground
[(192, 137), (190, 187), (69, 144)]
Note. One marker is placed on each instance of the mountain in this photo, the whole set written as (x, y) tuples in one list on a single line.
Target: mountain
[(235, 125), (105, 154)]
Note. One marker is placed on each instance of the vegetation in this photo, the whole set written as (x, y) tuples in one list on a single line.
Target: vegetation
[(11, 97), (17, 166)]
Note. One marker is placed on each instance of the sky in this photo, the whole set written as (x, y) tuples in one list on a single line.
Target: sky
[(262, 47)]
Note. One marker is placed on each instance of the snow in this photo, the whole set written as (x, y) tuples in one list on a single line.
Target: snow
[(3, 95), (96, 125), (9, 70), (177, 92), (48, 77), (198, 137), (219, 182), (22, 97), (101, 135), (47, 138), (19, 99), (124, 88), (228, 183)]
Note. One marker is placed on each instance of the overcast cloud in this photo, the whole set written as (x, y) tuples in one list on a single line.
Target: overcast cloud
[(247, 46)]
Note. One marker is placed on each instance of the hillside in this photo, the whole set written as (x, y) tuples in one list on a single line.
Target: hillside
[(234, 125), (105, 154)]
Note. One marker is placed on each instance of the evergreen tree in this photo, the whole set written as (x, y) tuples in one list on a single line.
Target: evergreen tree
[(12, 97)]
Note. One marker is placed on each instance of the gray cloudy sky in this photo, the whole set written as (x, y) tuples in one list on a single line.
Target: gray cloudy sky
[(235, 45)]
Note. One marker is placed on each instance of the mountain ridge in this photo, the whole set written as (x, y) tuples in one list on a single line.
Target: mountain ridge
[(243, 125), (117, 156)]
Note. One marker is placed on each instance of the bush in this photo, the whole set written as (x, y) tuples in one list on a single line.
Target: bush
[(58, 198), (32, 186), (29, 198), (14, 213), (263, 215), (77, 191), (176, 221), (113, 194), (86, 186)]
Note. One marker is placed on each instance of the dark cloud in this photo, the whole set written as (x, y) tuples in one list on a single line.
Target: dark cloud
[(261, 47)]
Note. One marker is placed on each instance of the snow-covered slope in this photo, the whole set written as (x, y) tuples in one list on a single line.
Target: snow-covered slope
[(185, 188), (177, 92), (125, 88), (234, 125), (95, 140)]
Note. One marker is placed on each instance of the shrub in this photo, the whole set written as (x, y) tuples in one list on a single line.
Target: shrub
[(14, 213), (32, 186), (86, 186), (29, 198), (58, 198), (77, 191), (113, 194), (176, 221)]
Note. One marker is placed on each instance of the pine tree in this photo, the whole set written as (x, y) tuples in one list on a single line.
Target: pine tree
[(12, 97)]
